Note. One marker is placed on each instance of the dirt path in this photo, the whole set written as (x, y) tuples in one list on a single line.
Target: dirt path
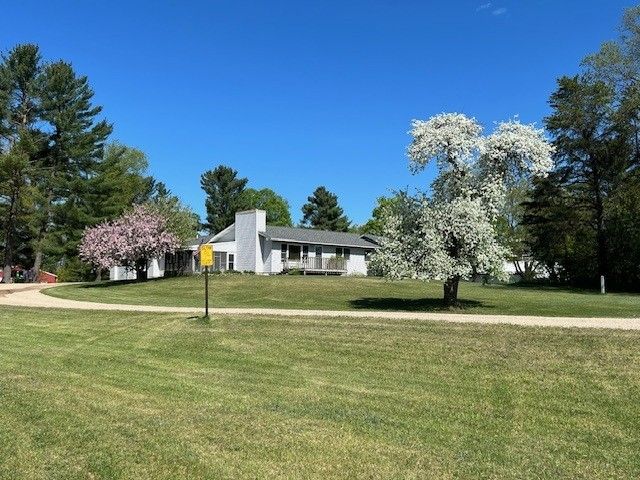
[(31, 296)]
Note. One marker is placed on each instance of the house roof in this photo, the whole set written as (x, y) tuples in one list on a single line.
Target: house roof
[(377, 239), (319, 237), (194, 242)]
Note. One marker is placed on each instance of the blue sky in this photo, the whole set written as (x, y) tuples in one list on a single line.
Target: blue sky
[(299, 94)]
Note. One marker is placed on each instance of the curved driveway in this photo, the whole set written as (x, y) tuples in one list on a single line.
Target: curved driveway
[(30, 295)]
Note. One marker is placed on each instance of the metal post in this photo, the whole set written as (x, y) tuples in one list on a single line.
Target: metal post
[(602, 286), (206, 291)]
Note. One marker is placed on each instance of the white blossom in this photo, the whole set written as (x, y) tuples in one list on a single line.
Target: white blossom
[(450, 138), (451, 234)]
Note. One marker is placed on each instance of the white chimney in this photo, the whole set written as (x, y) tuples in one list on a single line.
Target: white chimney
[(248, 252)]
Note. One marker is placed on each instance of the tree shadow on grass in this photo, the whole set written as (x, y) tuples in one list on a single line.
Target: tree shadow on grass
[(118, 283), (412, 304)]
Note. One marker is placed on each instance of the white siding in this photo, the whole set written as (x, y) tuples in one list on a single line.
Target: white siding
[(229, 247), (276, 263), (248, 245), (154, 270)]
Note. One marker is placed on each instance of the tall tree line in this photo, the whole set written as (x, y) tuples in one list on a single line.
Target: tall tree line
[(50, 138), (58, 174), (583, 219), (227, 193)]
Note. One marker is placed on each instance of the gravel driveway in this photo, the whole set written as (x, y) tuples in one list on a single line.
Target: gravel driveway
[(30, 295)]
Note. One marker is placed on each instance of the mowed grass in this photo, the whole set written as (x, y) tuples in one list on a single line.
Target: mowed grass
[(115, 395), (353, 293)]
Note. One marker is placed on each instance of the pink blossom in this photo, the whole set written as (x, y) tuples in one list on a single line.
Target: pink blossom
[(134, 238)]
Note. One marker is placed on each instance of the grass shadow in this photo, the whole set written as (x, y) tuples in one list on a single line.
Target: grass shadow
[(117, 283), (411, 304)]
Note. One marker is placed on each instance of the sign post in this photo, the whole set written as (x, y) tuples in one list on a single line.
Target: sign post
[(206, 261)]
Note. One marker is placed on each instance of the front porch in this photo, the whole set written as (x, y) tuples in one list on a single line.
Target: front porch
[(317, 265)]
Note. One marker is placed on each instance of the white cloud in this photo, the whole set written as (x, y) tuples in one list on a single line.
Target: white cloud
[(499, 11), (484, 6)]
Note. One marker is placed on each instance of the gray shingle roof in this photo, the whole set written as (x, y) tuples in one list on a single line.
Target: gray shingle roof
[(373, 238), (194, 242), (321, 237)]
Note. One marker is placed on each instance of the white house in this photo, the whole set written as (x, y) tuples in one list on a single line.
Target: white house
[(251, 245)]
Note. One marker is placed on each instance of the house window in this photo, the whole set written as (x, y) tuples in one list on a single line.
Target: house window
[(231, 263), (294, 252), (367, 255), (220, 261), (319, 251), (283, 252), (305, 252), (347, 253), (339, 251)]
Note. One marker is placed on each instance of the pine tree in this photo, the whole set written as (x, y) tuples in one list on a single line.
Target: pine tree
[(323, 212), (224, 196), (21, 144), (589, 153), (75, 147)]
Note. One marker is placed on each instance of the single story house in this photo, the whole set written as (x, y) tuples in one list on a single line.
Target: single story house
[(250, 245)]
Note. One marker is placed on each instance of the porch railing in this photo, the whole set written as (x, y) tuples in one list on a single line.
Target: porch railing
[(325, 264)]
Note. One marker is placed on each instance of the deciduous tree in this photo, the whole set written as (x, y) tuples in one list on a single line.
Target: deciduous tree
[(277, 207), (132, 240), (452, 233)]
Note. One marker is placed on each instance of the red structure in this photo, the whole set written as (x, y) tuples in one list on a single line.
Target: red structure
[(47, 277)]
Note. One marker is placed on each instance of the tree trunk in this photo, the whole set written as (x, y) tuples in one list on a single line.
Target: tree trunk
[(37, 263), (98, 274), (451, 291), (141, 270), (8, 253), (601, 240), (46, 219), (6, 271), (9, 228)]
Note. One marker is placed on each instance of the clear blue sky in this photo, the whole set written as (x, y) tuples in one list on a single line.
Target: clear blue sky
[(297, 94)]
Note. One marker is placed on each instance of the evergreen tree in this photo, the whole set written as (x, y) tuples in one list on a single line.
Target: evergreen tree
[(323, 212), (21, 144), (589, 153), (75, 145), (224, 196), (277, 207)]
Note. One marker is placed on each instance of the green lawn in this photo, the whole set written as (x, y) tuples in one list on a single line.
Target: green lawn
[(114, 395), (353, 293)]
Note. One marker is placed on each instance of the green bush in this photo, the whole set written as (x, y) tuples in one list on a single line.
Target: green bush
[(75, 270)]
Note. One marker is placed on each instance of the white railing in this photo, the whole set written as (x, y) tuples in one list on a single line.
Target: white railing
[(325, 264)]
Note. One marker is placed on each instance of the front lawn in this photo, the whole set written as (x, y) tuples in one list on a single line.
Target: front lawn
[(114, 395), (353, 293)]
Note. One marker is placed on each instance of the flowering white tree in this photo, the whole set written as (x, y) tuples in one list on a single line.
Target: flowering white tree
[(451, 234), (131, 241)]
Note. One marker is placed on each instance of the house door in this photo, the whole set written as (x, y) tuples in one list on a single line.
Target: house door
[(294, 253)]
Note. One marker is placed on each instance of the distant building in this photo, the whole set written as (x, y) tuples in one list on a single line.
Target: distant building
[(249, 244)]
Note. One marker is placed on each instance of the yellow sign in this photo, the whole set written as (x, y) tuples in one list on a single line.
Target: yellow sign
[(206, 255)]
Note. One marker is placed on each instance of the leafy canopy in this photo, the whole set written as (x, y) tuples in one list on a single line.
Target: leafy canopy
[(276, 206)]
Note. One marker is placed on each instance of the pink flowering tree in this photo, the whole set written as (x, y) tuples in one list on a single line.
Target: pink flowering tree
[(132, 241)]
